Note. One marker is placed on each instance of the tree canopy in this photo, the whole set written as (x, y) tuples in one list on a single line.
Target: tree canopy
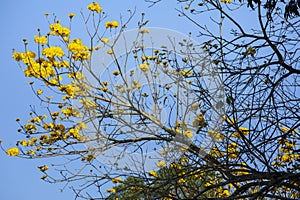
[(218, 114)]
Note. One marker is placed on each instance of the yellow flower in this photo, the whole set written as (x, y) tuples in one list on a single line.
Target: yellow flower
[(181, 180), (143, 31), (104, 40), (186, 72), (18, 56), (71, 15), (111, 24), (53, 51), (14, 151), (144, 67), (116, 72), (40, 40), (43, 168), (59, 30), (226, 1), (39, 92), (152, 173), (188, 134), (161, 164), (94, 7), (111, 190), (117, 180), (23, 143), (110, 51), (43, 177)]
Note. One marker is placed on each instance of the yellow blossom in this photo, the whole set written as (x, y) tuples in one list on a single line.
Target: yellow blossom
[(104, 40), (111, 190), (110, 51), (186, 72), (40, 40), (111, 24), (143, 31), (59, 30), (43, 168), (144, 66), (23, 143), (94, 7), (13, 151), (53, 51), (161, 164), (116, 73), (226, 1), (117, 180), (80, 51), (18, 56), (152, 173), (39, 92), (71, 15), (188, 134)]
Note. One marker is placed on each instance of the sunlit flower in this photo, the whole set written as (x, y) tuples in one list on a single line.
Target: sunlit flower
[(39, 92), (41, 39), (144, 66), (143, 31), (94, 7), (117, 180), (152, 173), (71, 15), (116, 72), (161, 164), (14, 151), (111, 190), (104, 40), (111, 24), (43, 168)]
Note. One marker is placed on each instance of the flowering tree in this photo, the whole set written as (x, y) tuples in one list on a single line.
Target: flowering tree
[(157, 104)]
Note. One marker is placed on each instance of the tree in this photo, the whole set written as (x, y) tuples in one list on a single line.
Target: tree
[(251, 151)]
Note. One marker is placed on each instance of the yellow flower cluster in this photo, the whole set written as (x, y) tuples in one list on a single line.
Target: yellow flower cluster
[(188, 134), (70, 111), (30, 127), (76, 75), (26, 143), (94, 7), (232, 150), (144, 66), (80, 51), (111, 24), (43, 70), (241, 130), (88, 103), (161, 164), (58, 30), (226, 1), (53, 51), (40, 40), (70, 90), (215, 152), (14, 151), (186, 72)]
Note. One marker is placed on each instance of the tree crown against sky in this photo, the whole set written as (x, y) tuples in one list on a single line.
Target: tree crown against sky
[(158, 100)]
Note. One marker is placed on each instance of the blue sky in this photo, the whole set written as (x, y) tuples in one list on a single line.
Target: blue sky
[(20, 19)]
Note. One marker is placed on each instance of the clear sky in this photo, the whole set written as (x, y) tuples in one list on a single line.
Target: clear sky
[(19, 178)]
